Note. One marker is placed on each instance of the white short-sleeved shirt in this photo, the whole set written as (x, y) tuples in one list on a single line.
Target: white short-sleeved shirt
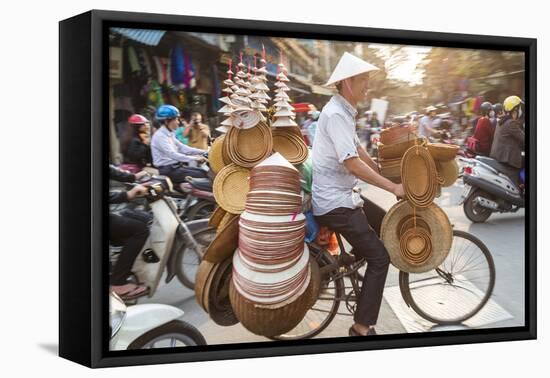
[(335, 142)]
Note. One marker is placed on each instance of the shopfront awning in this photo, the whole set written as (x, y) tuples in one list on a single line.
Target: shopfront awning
[(145, 36)]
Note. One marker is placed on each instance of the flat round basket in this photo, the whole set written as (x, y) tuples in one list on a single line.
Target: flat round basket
[(231, 187), (447, 171), (407, 244), (396, 134), (248, 147), (290, 145), (224, 244), (419, 176), (443, 152), (215, 155), (396, 150), (219, 305), (216, 217), (204, 274)]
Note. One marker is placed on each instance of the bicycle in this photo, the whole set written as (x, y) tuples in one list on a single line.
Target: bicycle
[(460, 271)]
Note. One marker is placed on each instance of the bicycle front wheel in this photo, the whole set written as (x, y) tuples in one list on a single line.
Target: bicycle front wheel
[(456, 290)]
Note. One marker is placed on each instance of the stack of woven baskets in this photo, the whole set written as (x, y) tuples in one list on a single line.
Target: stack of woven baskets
[(416, 232), (393, 144)]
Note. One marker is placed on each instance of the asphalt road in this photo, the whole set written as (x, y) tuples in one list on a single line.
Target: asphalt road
[(503, 234)]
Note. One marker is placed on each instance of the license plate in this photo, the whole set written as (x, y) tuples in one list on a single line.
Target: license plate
[(465, 193)]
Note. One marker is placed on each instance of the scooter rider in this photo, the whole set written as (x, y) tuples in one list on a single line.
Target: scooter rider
[(170, 156), (130, 232), (427, 123), (484, 130), (509, 139)]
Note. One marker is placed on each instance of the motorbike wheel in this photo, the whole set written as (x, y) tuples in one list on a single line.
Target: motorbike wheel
[(176, 333), (187, 260), (201, 210), (474, 212)]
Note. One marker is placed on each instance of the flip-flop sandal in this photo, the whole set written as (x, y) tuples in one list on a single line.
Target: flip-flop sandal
[(370, 332), (137, 292)]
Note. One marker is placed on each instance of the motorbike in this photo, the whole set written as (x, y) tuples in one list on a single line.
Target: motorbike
[(173, 245), (374, 139), (488, 190), (195, 200), (148, 326)]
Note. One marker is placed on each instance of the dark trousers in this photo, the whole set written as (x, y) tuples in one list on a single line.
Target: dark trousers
[(178, 173), (353, 225), (132, 233)]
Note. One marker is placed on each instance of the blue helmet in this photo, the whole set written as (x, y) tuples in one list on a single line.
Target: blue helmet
[(167, 112)]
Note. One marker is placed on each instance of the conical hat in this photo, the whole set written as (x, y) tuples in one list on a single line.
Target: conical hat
[(225, 109), (349, 66), (222, 129)]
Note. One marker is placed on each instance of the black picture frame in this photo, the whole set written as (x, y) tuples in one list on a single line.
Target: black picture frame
[(83, 310)]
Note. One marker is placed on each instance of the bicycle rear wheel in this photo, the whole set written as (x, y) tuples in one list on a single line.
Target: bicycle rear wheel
[(325, 309), (456, 290)]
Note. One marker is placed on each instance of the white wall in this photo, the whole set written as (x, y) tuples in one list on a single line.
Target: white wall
[(29, 82)]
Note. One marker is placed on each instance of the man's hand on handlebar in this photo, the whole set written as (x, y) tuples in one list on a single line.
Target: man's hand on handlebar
[(399, 191), (141, 175), (137, 191), (200, 159)]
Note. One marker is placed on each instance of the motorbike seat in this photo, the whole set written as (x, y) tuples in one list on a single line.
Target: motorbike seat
[(203, 184), (492, 163)]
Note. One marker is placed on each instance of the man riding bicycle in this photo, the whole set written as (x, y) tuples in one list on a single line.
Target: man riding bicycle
[(339, 161)]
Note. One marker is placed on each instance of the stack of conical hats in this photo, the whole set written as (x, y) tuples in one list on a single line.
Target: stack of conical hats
[(258, 86), (228, 106), (287, 137), (272, 283), (284, 112)]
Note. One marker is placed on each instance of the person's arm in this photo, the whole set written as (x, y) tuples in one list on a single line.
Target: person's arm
[(517, 133), (186, 129), (117, 196), (188, 150), (118, 174), (120, 196), (205, 131), (171, 149), (430, 129), (344, 140), (361, 170), (365, 157)]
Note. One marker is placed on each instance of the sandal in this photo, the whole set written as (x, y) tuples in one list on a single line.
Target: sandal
[(135, 292), (370, 332)]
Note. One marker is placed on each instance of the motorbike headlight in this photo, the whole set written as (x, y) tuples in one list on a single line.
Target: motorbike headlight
[(117, 313)]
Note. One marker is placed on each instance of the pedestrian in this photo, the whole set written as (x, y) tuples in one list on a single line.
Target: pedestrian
[(199, 133), (339, 161), (484, 130)]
